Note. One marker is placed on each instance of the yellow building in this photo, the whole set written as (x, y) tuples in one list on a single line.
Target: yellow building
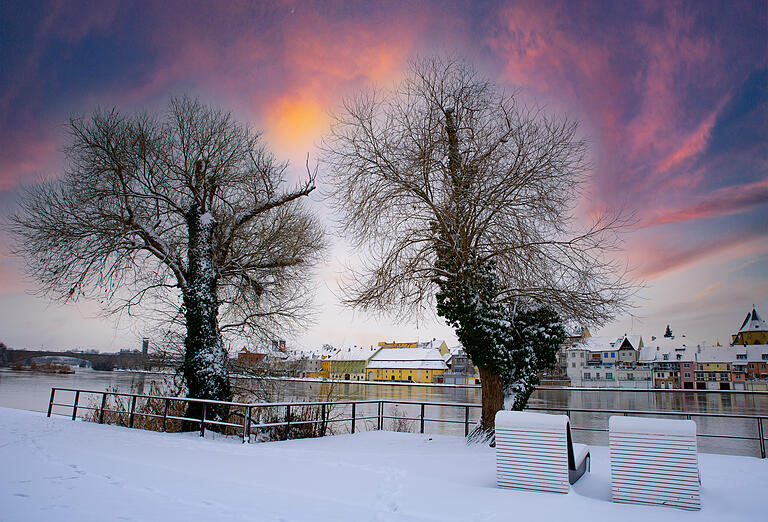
[(394, 345), (438, 344), (407, 365), (350, 363), (754, 330), (325, 368)]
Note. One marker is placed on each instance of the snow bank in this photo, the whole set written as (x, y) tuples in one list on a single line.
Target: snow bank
[(56, 469)]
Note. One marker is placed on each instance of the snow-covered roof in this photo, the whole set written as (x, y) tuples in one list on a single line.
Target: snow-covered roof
[(753, 323), (416, 358), (434, 343), (657, 349), (717, 354), (596, 344), (356, 353), (755, 352), (635, 340)]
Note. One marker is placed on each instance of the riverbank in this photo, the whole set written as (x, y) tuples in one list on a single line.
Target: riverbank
[(56, 469)]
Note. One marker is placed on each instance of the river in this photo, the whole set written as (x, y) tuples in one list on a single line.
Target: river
[(31, 391)]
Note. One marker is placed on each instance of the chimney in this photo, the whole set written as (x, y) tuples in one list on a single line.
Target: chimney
[(144, 346)]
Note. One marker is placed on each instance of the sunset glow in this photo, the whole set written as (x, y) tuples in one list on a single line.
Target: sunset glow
[(673, 99)]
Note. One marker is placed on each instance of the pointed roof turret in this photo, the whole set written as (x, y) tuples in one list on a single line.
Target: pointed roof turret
[(753, 322)]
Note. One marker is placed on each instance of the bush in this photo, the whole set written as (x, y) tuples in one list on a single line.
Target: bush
[(306, 420), (148, 412), (400, 421)]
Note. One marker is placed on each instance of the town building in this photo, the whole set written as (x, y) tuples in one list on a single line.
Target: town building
[(438, 344), (607, 362), (757, 362), (425, 365), (560, 370), (350, 363), (460, 367), (249, 359), (714, 365)]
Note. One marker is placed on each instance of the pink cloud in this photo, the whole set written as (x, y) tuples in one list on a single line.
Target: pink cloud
[(721, 202), (25, 156), (645, 137), (656, 258)]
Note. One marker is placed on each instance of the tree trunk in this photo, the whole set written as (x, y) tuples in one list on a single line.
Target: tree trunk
[(205, 360), (493, 399)]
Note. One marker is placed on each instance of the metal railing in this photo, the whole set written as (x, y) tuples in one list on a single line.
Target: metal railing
[(245, 411), (246, 426)]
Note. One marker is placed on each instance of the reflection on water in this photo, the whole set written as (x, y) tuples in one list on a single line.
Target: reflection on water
[(31, 391)]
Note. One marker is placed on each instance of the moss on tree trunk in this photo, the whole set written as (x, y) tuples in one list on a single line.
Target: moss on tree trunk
[(205, 360)]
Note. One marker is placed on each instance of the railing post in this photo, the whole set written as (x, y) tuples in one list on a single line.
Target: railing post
[(466, 421), (50, 403), (422, 417), (353, 416), (381, 415), (202, 420), (322, 418), (133, 409), (165, 413), (288, 421), (74, 406), (247, 425), (103, 405), (762, 437)]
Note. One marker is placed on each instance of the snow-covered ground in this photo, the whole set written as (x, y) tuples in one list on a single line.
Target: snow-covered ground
[(56, 469)]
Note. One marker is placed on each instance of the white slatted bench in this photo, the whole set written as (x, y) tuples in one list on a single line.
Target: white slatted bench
[(654, 461), (535, 451)]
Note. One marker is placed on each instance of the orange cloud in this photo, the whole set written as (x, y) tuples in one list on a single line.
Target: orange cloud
[(295, 121)]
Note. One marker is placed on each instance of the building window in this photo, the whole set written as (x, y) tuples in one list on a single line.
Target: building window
[(582, 355), (573, 355), (666, 356), (608, 375), (687, 375), (765, 356), (741, 356), (587, 376), (613, 355), (686, 365), (573, 365)]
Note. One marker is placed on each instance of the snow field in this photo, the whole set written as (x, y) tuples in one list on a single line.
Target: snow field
[(56, 469)]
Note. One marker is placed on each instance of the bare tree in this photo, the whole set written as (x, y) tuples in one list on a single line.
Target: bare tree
[(449, 181), (186, 212)]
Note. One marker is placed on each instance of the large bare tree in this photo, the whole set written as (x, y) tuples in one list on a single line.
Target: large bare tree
[(452, 189), (187, 209)]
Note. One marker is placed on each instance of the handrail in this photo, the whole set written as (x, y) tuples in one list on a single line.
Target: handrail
[(247, 426), (646, 390), (650, 412)]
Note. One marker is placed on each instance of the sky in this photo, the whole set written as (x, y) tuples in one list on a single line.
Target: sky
[(673, 97)]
